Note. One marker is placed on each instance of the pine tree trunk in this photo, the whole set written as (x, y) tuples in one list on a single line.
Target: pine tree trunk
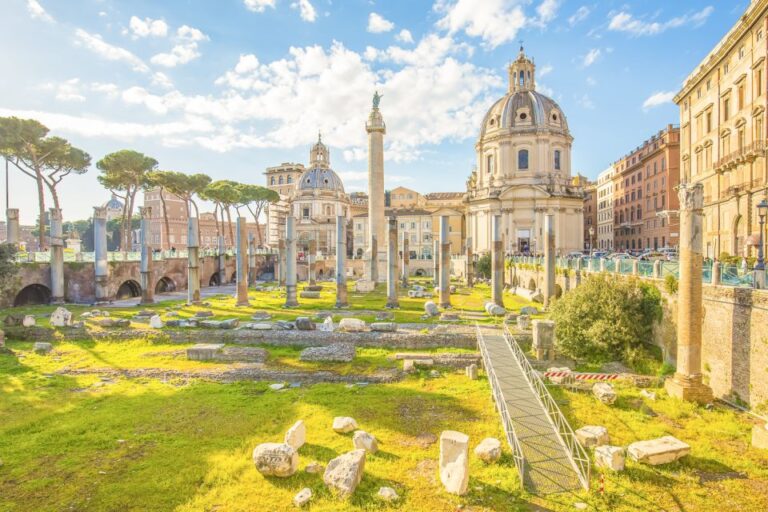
[(41, 203), (165, 220)]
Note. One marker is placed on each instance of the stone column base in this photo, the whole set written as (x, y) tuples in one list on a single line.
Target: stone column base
[(688, 388)]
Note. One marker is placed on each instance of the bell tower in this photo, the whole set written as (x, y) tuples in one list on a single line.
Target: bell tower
[(318, 155), (522, 73)]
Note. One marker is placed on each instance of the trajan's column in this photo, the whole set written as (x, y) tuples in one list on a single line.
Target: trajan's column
[(377, 227)]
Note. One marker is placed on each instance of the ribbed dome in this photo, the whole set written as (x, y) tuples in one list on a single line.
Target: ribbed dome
[(113, 204), (323, 179), (525, 110)]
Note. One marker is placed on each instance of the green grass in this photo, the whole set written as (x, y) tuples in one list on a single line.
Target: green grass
[(84, 443), (223, 306)]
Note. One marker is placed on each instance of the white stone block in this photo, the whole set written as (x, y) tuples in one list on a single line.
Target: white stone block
[(295, 437), (362, 440), (344, 473), (156, 322), (610, 457), (658, 451), (489, 450), (352, 325), (344, 424), (592, 436), (302, 497), (454, 461), (275, 459)]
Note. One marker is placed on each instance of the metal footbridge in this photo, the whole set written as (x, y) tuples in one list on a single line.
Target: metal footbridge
[(545, 450)]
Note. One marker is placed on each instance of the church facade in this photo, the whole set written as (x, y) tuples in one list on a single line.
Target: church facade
[(523, 171)]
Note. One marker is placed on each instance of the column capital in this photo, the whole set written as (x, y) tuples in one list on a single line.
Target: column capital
[(691, 196), (100, 212), (12, 213), (145, 212)]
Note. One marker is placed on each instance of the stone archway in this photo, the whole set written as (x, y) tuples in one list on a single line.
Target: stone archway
[(215, 279), (419, 272), (128, 290), (33, 294), (738, 236), (165, 285)]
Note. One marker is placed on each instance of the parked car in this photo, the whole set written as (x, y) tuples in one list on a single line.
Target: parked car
[(620, 256), (600, 254), (575, 254)]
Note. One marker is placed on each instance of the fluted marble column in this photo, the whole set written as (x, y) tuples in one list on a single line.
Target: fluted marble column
[(241, 263), (12, 226), (377, 229), (291, 300), (497, 262), (549, 259), (57, 257), (100, 265), (193, 261), (470, 271), (147, 288), (445, 264), (687, 382), (392, 301), (251, 259), (406, 259), (341, 256), (312, 260)]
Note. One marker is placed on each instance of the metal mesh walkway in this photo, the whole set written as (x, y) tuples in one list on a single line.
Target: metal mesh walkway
[(543, 446)]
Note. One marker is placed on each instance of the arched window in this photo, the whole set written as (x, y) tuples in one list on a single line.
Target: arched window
[(280, 180), (272, 180), (489, 162), (290, 179), (557, 159), (522, 159)]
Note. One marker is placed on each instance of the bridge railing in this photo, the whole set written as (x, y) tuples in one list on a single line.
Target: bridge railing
[(576, 452), (501, 405), (70, 256)]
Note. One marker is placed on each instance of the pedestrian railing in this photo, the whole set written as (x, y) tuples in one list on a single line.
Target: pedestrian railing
[(576, 452), (501, 406), (730, 275)]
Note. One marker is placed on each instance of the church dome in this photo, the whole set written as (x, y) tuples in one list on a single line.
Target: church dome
[(320, 178), (114, 204), (523, 108)]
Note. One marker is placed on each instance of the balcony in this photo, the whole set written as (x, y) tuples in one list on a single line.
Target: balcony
[(745, 154), (741, 188)]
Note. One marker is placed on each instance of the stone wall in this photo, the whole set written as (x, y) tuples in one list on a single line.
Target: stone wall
[(79, 277), (735, 340)]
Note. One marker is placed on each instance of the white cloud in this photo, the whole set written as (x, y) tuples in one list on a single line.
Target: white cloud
[(494, 21), (545, 70), (658, 99), (378, 24), (105, 88), (404, 36), (259, 5), (586, 102), (160, 79), (38, 12), (185, 50), (306, 10), (97, 45), (579, 16), (353, 176), (625, 22), (68, 90), (97, 127), (429, 95), (591, 81), (546, 91), (591, 57), (147, 27), (547, 11)]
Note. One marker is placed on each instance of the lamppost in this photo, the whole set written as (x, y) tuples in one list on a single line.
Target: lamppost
[(591, 238), (762, 211)]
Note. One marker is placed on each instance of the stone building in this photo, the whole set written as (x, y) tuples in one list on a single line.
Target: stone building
[(605, 209), (523, 171), (722, 119), (590, 216), (175, 236), (314, 195), (415, 223), (644, 198)]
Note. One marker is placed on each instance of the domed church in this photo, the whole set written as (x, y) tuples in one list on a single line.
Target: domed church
[(523, 171)]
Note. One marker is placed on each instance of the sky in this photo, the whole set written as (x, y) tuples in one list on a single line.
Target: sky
[(231, 87)]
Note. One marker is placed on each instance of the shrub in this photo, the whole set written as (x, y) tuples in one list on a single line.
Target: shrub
[(670, 284), (606, 319), (483, 266)]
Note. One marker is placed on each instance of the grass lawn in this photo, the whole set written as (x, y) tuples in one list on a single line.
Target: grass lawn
[(78, 442)]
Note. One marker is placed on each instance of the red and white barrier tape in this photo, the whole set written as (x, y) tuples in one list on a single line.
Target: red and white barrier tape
[(583, 376)]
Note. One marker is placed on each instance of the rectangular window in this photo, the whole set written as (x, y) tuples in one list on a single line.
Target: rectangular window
[(557, 159), (726, 108), (758, 82), (741, 96)]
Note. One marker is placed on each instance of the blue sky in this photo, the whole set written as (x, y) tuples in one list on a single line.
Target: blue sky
[(230, 87)]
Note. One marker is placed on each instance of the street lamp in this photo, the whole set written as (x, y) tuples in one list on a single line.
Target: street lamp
[(762, 211), (591, 238)]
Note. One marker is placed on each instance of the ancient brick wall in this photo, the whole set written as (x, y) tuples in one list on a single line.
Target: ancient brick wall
[(735, 340)]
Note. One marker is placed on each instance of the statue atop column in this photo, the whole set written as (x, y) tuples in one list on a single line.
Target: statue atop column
[(376, 99)]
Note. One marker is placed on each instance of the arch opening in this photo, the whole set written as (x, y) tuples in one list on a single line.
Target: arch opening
[(33, 294), (215, 280), (165, 285), (128, 290)]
